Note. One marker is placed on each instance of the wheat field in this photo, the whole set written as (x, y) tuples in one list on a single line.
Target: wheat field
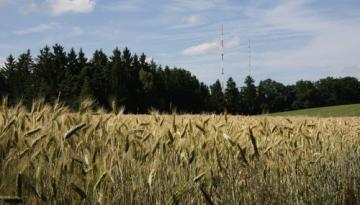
[(49, 155)]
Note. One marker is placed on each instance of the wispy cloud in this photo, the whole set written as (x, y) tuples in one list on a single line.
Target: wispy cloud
[(209, 47), (35, 29), (333, 42), (201, 49), (191, 21), (294, 16), (59, 7)]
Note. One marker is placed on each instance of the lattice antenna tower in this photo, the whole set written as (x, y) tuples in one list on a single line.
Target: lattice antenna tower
[(222, 55)]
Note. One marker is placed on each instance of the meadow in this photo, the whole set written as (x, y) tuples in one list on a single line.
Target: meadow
[(50, 155), (352, 110)]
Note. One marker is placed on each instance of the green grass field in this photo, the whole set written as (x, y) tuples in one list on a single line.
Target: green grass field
[(332, 111)]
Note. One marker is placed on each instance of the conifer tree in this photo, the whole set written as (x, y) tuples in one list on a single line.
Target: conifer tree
[(232, 97), (217, 97), (249, 97), (9, 77), (3, 87), (117, 77), (23, 88), (44, 75), (99, 83)]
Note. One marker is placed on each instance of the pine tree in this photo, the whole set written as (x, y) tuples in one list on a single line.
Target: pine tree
[(232, 97), (147, 88), (9, 77), (205, 100), (59, 65), (82, 60), (86, 89), (9, 67), (249, 97), (132, 81), (217, 97), (72, 62), (127, 58), (99, 68), (117, 78), (3, 86), (69, 82), (23, 88), (142, 61), (44, 75)]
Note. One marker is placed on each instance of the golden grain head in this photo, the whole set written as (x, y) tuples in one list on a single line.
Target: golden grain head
[(50, 155)]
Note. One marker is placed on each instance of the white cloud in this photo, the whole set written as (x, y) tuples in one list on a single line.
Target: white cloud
[(59, 7), (149, 60), (191, 21), (201, 49), (209, 47), (36, 29)]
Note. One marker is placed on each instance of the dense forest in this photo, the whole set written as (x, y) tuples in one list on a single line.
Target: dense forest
[(130, 81)]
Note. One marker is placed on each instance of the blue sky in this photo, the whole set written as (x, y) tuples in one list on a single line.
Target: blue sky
[(291, 40)]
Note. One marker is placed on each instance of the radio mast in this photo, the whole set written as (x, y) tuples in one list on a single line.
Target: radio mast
[(222, 56)]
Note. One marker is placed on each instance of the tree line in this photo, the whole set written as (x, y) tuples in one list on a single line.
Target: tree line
[(129, 80)]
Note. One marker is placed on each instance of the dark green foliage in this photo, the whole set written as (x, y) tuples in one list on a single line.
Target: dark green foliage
[(217, 98), (8, 77), (116, 76), (132, 82), (306, 95), (3, 86), (97, 75), (124, 77), (44, 73), (249, 97), (232, 97), (273, 96), (205, 98), (19, 78)]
